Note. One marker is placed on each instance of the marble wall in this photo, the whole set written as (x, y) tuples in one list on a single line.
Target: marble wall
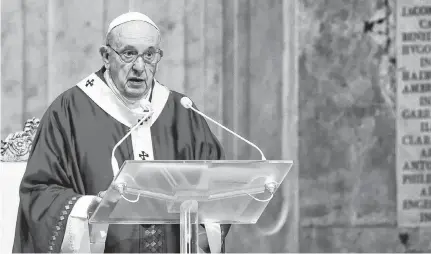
[(347, 130)]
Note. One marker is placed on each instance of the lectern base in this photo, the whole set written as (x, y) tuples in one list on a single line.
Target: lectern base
[(189, 227)]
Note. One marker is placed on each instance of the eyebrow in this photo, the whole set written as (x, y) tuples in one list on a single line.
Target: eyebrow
[(128, 47)]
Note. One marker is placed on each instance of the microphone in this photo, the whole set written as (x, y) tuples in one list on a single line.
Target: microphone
[(145, 106), (187, 103)]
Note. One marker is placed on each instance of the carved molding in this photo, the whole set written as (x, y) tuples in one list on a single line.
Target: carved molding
[(17, 146)]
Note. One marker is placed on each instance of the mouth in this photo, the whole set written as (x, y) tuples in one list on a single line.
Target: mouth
[(136, 81)]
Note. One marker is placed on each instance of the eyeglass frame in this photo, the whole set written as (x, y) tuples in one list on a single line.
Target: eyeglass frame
[(158, 51)]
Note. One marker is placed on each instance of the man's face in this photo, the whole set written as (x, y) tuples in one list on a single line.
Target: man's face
[(132, 79)]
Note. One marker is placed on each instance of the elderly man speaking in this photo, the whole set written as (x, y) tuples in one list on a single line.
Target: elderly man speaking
[(70, 162)]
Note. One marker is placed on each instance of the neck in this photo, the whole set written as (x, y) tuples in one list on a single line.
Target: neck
[(131, 104)]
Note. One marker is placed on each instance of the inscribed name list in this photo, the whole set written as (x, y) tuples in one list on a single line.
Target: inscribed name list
[(413, 45)]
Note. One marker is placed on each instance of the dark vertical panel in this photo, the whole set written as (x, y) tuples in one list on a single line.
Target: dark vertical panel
[(263, 87), (35, 58), (261, 58), (194, 81), (266, 76), (267, 49), (289, 140), (236, 47), (75, 38), (168, 16), (12, 67), (242, 79), (213, 57), (228, 76)]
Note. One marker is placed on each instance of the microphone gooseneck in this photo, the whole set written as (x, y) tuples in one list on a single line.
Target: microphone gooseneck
[(271, 186), (187, 103), (146, 108)]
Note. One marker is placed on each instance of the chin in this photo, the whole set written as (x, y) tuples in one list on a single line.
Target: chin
[(135, 96)]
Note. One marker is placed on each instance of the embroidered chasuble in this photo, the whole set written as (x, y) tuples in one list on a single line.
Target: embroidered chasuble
[(70, 163)]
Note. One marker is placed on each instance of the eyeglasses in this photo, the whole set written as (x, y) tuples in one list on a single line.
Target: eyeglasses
[(151, 56)]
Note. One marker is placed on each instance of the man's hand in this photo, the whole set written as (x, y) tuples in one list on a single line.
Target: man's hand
[(95, 202), (109, 201), (203, 243)]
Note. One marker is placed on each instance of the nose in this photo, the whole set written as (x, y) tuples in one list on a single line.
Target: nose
[(139, 65)]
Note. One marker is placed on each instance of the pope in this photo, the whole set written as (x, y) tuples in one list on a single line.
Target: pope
[(70, 159)]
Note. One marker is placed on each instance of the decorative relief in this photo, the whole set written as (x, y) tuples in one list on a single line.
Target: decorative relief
[(17, 146), (381, 28)]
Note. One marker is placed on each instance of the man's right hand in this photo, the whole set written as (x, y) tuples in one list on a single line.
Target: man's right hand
[(93, 205), (111, 200)]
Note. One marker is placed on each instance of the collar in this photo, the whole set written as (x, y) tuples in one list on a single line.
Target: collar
[(98, 90)]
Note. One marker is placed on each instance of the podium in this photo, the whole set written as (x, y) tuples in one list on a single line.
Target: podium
[(190, 193)]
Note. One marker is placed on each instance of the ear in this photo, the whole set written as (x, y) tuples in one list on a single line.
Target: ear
[(156, 69), (103, 50)]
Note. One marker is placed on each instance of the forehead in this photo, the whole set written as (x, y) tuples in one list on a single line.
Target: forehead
[(138, 34)]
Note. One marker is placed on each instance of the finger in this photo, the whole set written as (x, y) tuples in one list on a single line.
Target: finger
[(94, 203), (101, 194), (97, 199)]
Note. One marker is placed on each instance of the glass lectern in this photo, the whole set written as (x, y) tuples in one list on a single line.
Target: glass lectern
[(190, 193)]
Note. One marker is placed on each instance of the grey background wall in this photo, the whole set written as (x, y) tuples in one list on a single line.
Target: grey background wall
[(328, 103), (347, 132)]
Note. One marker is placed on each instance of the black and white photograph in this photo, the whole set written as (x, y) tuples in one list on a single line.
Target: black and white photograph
[(215, 126)]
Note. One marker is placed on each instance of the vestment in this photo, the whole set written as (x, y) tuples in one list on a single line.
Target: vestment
[(70, 160)]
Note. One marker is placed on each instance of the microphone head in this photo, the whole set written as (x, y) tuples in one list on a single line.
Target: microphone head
[(145, 105), (186, 102)]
